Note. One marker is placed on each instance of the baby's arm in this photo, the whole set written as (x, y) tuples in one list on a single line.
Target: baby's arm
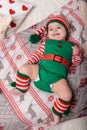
[(77, 55), (36, 56)]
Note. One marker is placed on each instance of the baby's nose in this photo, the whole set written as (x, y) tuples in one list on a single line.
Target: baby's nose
[(55, 29)]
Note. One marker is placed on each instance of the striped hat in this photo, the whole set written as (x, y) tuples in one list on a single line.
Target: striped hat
[(34, 38)]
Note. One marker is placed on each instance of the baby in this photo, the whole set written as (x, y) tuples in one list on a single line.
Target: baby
[(48, 66)]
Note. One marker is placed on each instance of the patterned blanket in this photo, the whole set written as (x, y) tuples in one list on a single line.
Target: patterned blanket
[(32, 111)]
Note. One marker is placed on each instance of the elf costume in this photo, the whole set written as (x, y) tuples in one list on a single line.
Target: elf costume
[(54, 63), (54, 58)]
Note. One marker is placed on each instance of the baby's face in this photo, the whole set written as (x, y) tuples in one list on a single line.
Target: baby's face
[(56, 31)]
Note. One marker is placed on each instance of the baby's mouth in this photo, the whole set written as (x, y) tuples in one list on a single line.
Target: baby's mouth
[(57, 34)]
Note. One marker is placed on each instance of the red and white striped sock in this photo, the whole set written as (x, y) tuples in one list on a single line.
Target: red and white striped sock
[(22, 82), (60, 106)]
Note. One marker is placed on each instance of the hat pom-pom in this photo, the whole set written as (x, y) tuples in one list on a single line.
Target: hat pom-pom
[(34, 38)]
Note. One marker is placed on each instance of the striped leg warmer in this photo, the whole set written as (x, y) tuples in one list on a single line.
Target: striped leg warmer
[(22, 82), (60, 106)]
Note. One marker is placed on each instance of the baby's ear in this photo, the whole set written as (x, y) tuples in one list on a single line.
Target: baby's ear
[(4, 24)]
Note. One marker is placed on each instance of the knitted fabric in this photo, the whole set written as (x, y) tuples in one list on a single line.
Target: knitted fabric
[(60, 106), (22, 82)]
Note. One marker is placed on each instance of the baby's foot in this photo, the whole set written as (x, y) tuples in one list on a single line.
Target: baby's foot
[(56, 119), (16, 92)]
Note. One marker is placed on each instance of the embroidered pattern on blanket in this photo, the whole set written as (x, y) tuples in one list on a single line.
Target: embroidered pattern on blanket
[(12, 54)]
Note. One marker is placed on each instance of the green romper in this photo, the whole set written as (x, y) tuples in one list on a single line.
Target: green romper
[(51, 71)]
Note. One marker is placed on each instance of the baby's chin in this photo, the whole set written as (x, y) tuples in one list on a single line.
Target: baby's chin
[(57, 38)]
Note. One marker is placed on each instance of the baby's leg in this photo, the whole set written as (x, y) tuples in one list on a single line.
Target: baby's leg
[(62, 103), (26, 73), (30, 70)]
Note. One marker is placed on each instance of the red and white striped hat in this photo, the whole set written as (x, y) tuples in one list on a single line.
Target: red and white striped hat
[(34, 38)]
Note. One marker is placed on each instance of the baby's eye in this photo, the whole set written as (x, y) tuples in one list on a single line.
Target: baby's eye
[(58, 27), (50, 29)]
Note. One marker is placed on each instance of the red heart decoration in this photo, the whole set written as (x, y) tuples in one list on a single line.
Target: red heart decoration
[(0, 6), (11, 1), (12, 24), (11, 11), (24, 8)]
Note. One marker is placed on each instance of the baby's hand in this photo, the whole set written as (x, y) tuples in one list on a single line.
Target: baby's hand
[(75, 49)]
